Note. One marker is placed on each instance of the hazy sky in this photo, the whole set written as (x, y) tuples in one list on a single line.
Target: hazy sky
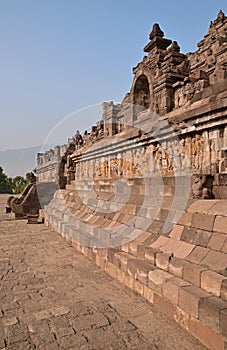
[(60, 56)]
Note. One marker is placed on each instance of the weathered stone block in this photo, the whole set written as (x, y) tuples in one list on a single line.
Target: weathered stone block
[(142, 271), (181, 317), (129, 281), (220, 224), (111, 269), (162, 261), (192, 273), (223, 323), (132, 265), (138, 287), (224, 290), (176, 232), (148, 294), (197, 237), (217, 241), (183, 250), (198, 254), (203, 221), (215, 260), (150, 255), (206, 335), (185, 219), (209, 311), (189, 299), (120, 275), (163, 305), (212, 282), (171, 288), (156, 279), (176, 267)]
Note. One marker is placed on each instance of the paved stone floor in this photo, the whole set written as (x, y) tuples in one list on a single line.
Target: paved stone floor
[(52, 297)]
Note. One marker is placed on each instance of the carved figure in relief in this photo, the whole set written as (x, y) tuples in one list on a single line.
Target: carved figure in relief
[(183, 159), (106, 168), (196, 152), (98, 169), (158, 158), (176, 155), (200, 188), (169, 156), (150, 159)]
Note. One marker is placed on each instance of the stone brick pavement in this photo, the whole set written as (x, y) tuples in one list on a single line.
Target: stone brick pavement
[(51, 297)]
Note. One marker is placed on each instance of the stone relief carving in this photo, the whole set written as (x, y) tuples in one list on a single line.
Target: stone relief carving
[(202, 187)]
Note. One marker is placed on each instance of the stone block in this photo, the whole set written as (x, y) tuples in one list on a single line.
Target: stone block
[(133, 247), (143, 268), (224, 248), (183, 250), (206, 335), (216, 261), (176, 232), (156, 279), (160, 242), (111, 257), (192, 273), (132, 267), (171, 246), (100, 262), (123, 258), (209, 312), (197, 237), (201, 206), (148, 294), (217, 241), (155, 227), (129, 281), (198, 254), (185, 219), (176, 267), (143, 236), (120, 275), (162, 261), (203, 221), (219, 208), (171, 288), (212, 282), (138, 287), (163, 305), (223, 323), (162, 214), (126, 218), (140, 251), (224, 290), (90, 321), (220, 224), (189, 298), (111, 269), (150, 255), (181, 317)]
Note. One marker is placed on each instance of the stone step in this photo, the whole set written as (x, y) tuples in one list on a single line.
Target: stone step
[(182, 272), (172, 295)]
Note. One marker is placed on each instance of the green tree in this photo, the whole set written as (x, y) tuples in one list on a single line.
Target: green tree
[(19, 183), (5, 183)]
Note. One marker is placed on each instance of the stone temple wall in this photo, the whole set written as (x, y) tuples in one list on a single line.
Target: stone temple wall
[(144, 193), (186, 92), (172, 121), (48, 164)]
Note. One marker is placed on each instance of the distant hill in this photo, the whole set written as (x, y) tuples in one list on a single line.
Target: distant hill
[(19, 161)]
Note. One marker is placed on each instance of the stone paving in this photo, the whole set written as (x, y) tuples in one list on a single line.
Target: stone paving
[(52, 297)]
